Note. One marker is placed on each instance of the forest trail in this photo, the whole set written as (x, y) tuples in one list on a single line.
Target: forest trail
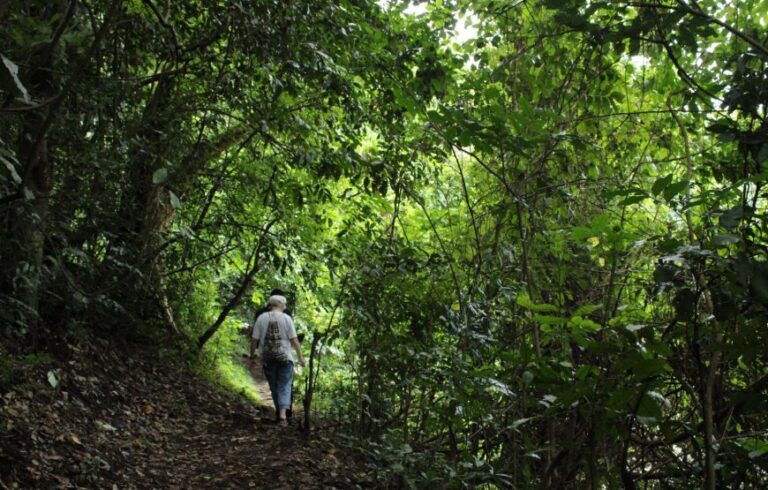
[(118, 418), (529, 240), (262, 387)]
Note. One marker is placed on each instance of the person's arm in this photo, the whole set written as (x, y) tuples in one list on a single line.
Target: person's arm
[(297, 347), (255, 336), (293, 339), (253, 346)]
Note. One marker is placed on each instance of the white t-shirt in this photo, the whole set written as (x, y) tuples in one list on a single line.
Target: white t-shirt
[(284, 323)]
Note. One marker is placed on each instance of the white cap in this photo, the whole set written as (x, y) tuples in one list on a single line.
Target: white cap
[(277, 300)]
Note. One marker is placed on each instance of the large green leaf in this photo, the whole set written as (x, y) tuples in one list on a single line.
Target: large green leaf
[(525, 301)]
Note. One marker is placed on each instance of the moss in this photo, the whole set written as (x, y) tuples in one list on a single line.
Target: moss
[(37, 359), (235, 377)]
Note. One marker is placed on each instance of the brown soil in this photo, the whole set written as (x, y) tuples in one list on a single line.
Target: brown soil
[(117, 417)]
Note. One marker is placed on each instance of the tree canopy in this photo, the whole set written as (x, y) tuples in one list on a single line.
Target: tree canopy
[(536, 257)]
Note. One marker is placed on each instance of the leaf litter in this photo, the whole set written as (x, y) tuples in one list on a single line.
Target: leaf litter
[(119, 417)]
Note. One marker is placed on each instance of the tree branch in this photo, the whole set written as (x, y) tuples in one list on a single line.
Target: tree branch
[(72, 82), (249, 275), (60, 30), (165, 24), (700, 13)]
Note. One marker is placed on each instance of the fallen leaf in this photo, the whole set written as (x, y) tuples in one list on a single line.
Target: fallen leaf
[(105, 426), (52, 379)]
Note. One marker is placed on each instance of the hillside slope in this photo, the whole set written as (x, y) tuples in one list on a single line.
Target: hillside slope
[(111, 416)]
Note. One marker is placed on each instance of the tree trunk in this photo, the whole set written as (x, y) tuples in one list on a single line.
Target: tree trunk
[(29, 218), (146, 211), (709, 423), (28, 229), (310, 384)]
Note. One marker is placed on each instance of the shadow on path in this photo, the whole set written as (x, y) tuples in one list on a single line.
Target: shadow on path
[(121, 418)]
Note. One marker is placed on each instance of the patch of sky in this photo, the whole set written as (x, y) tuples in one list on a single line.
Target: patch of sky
[(464, 30)]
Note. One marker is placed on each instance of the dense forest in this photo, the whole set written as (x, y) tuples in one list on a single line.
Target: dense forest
[(527, 240)]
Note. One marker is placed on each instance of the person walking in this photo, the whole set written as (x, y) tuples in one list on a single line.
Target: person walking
[(274, 334), (267, 307)]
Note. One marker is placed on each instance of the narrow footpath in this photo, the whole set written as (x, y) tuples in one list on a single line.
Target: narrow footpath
[(257, 373), (115, 417)]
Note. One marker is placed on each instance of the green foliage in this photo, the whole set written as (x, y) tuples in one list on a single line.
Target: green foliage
[(533, 258), (571, 266), (232, 375)]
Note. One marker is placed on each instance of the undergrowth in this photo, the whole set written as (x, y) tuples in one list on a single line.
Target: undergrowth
[(231, 374), (220, 362)]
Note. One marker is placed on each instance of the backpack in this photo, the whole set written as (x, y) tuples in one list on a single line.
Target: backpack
[(273, 350)]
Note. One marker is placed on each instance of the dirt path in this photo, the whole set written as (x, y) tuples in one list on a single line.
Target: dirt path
[(257, 372), (123, 420), (250, 451)]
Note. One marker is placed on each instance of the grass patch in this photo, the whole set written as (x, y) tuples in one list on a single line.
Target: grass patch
[(228, 372), (221, 361)]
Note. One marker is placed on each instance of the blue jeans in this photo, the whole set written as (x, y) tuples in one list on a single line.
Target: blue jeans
[(280, 379)]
